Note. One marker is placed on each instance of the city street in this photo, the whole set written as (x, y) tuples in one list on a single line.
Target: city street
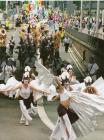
[(52, 45), (10, 129)]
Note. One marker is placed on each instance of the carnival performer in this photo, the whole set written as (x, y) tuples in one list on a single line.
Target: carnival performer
[(57, 39), (8, 69), (72, 76), (66, 83), (92, 69), (25, 97), (88, 87), (86, 107), (33, 75), (67, 116), (10, 83)]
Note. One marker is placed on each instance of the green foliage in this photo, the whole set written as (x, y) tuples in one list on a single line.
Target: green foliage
[(78, 4), (2, 5)]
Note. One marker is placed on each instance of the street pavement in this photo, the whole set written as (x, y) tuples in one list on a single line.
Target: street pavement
[(10, 129), (14, 33)]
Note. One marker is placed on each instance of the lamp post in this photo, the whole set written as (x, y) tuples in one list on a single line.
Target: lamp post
[(81, 15), (63, 7), (103, 19), (103, 24), (6, 6), (97, 17), (89, 11)]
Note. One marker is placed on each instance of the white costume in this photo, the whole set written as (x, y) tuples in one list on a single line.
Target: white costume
[(63, 129), (87, 106), (7, 70), (11, 82)]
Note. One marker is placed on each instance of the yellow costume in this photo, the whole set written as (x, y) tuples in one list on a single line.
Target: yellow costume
[(2, 37), (57, 38)]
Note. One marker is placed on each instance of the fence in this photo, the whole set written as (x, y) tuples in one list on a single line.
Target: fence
[(99, 34), (93, 42)]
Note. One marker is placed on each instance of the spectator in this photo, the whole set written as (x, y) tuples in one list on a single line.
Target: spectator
[(66, 43), (92, 68)]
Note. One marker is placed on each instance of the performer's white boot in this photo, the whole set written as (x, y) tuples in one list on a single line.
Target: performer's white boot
[(23, 119), (27, 122), (60, 133)]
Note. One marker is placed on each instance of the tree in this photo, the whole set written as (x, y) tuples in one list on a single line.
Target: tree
[(2, 5), (78, 4)]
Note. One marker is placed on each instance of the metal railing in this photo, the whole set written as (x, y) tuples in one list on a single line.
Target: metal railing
[(95, 43), (90, 32)]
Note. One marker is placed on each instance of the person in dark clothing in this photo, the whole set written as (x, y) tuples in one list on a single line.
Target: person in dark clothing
[(56, 65), (11, 44), (29, 29), (43, 50), (66, 43)]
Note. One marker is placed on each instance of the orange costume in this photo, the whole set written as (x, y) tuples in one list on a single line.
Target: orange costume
[(36, 35), (57, 38)]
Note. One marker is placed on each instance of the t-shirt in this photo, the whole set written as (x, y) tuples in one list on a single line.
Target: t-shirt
[(67, 40), (92, 68)]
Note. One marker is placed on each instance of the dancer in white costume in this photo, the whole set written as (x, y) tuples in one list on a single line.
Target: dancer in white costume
[(25, 97), (10, 84), (67, 116), (88, 87), (72, 77), (86, 105), (30, 73), (65, 81), (98, 84), (8, 70)]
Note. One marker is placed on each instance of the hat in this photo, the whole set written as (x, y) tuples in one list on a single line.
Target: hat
[(26, 74), (88, 79), (27, 68), (64, 75), (69, 67), (64, 78)]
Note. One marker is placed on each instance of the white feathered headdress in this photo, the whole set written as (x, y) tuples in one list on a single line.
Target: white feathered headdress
[(64, 75), (69, 67), (88, 79), (26, 74), (27, 68)]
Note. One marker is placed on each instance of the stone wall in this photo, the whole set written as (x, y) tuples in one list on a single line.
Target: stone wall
[(85, 46)]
